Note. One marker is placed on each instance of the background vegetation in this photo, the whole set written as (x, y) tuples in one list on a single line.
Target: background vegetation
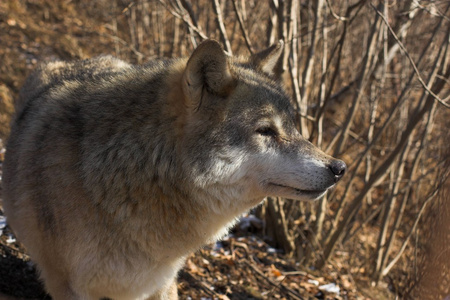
[(369, 82)]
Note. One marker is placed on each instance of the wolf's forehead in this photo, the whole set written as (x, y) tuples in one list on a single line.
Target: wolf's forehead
[(266, 99)]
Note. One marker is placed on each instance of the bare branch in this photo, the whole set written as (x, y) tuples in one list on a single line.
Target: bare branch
[(413, 228), (401, 99), (241, 25), (221, 25), (362, 82), (380, 173), (281, 286), (419, 77), (187, 19), (334, 14)]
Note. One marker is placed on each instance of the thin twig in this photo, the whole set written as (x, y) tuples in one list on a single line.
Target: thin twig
[(419, 214), (435, 14), (378, 175), (334, 14), (241, 25), (291, 292), (189, 22), (124, 43), (436, 97), (401, 99), (221, 25)]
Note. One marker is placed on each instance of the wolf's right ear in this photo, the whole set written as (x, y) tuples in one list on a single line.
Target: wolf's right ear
[(207, 70), (266, 60)]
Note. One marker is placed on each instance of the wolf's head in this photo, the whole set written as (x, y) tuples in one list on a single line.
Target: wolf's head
[(240, 133)]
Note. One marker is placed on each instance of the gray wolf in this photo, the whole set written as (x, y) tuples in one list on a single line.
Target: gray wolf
[(114, 173)]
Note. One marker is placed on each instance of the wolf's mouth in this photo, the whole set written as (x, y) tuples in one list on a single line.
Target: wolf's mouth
[(299, 190), (309, 193)]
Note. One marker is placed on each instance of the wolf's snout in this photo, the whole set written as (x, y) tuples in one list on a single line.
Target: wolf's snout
[(338, 168)]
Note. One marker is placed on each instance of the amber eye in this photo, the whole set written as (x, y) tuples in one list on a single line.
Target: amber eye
[(267, 131)]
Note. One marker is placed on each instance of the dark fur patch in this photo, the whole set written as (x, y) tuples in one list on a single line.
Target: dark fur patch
[(46, 214)]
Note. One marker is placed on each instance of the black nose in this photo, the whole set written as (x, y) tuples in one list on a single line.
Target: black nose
[(338, 168)]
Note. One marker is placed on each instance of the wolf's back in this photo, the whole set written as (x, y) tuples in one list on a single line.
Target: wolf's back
[(56, 73)]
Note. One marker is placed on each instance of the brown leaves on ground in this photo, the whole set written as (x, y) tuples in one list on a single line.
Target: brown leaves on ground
[(248, 268)]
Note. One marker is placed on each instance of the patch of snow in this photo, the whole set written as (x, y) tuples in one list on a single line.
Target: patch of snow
[(274, 250), (330, 288), (312, 281), (10, 239), (2, 224)]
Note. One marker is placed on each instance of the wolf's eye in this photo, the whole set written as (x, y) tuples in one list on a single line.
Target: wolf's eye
[(266, 131)]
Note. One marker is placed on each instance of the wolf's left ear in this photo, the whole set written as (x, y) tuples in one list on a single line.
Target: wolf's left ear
[(207, 70), (266, 60)]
